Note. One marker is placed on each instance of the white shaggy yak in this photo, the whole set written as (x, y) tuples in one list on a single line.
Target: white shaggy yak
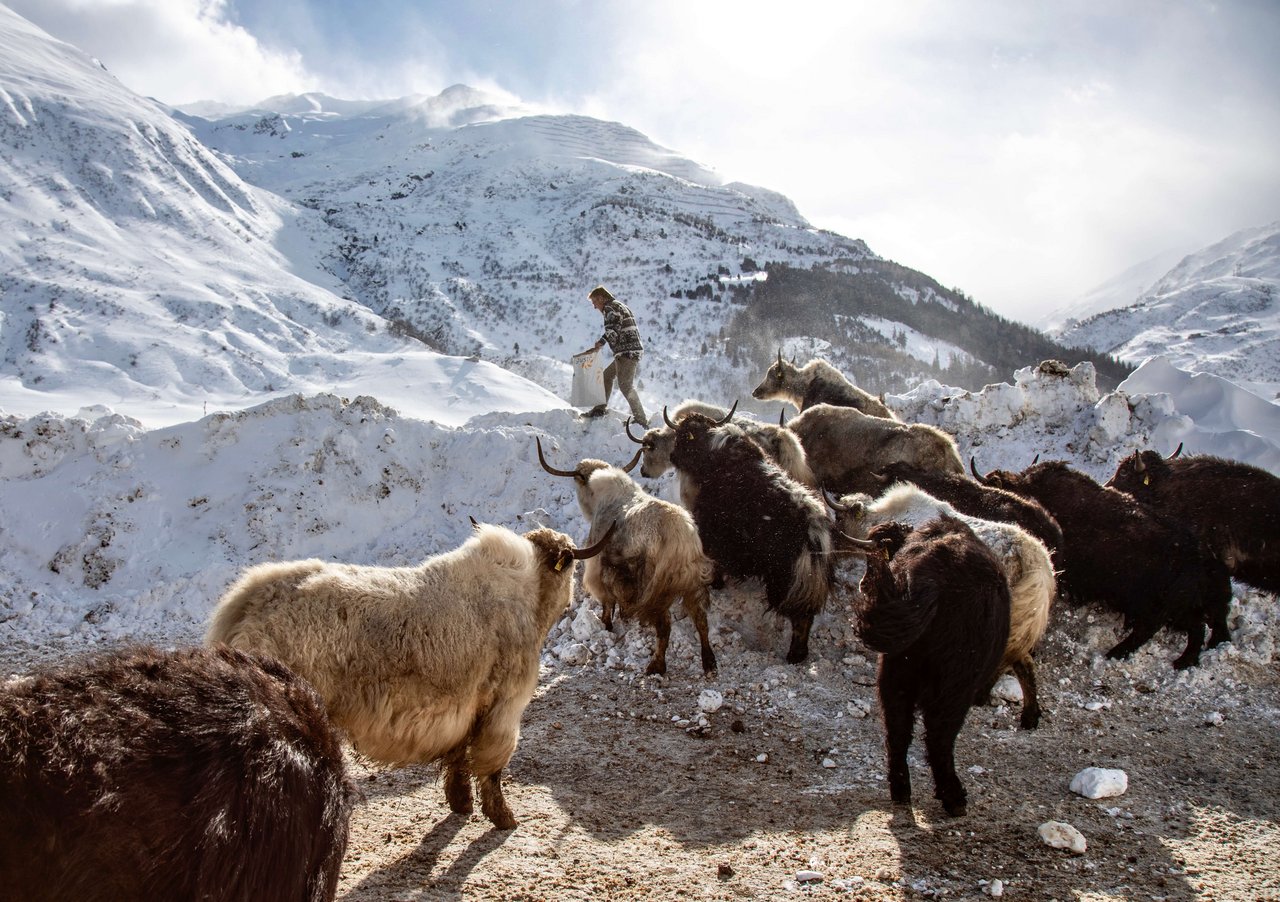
[(654, 557), (1023, 558), (417, 664)]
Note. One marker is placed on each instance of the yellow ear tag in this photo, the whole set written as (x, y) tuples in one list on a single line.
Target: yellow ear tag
[(559, 564), (1146, 480)]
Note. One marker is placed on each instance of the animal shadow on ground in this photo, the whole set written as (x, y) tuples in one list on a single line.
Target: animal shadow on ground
[(416, 870)]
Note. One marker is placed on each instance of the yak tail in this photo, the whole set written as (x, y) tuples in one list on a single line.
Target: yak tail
[(891, 621), (811, 578), (1030, 595)]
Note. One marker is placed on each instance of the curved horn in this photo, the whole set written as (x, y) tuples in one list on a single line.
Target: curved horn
[(627, 426), (573, 474), (779, 356), (728, 416), (582, 553), (635, 460), (857, 545), (1035, 460), (1176, 452), (782, 416), (474, 524), (666, 419), (973, 468), (832, 501)]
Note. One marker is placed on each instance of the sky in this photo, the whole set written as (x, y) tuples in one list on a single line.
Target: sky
[(1022, 153)]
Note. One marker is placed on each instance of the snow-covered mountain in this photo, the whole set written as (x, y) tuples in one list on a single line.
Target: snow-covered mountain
[(139, 263), (316, 244), (1218, 311), (1118, 291)]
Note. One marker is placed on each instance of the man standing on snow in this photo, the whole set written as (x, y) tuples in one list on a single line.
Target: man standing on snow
[(623, 336)]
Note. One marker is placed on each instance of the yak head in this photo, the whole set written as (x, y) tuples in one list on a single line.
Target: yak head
[(581, 476), (1138, 472), (655, 450), (781, 381), (692, 445)]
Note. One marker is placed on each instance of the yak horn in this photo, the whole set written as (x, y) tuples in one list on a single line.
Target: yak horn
[(857, 546), (583, 553), (779, 356), (782, 416), (1176, 452), (666, 419), (973, 468), (728, 416), (635, 460), (832, 501), (627, 426), (1139, 465), (1035, 460), (474, 524), (550, 469)]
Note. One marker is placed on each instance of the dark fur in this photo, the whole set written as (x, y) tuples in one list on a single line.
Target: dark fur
[(1233, 507), (977, 500), (1121, 554), (755, 521), (196, 774), (935, 604)]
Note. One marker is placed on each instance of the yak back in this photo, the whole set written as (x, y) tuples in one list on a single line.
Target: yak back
[(753, 519), (194, 774), (942, 598), (1233, 507), (971, 497), (1117, 550)]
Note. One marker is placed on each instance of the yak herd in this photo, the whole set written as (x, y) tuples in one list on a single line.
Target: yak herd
[(200, 773)]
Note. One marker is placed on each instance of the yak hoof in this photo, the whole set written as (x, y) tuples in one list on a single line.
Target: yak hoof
[(709, 665), (656, 668), (1185, 661), (1029, 720), (955, 809), (504, 820)]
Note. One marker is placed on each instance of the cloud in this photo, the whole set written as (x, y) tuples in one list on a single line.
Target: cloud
[(174, 50), (1023, 152)]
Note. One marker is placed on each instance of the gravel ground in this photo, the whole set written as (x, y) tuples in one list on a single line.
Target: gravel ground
[(626, 787)]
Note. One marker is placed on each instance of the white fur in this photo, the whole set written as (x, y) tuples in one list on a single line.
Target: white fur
[(410, 660), (1024, 559)]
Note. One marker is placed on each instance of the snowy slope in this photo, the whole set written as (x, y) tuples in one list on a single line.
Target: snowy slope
[(1217, 311), (1119, 291), (137, 262)]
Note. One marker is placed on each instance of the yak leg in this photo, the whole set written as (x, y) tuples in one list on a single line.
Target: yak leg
[(1191, 654), (457, 781), (897, 704), (1219, 632), (492, 744), (662, 625), (606, 613), (696, 604), (941, 727), (1142, 632), (1025, 670), (800, 626)]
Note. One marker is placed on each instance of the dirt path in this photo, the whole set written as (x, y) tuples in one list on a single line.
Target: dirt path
[(622, 795)]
